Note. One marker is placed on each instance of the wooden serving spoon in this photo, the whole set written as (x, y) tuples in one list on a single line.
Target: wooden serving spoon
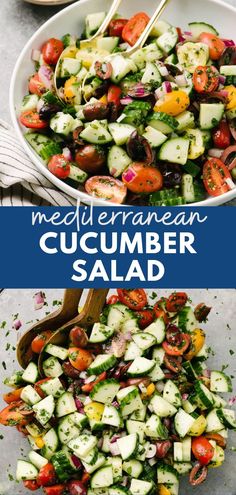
[(53, 321), (88, 316)]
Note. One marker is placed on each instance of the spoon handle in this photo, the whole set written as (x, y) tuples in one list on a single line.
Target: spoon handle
[(115, 5)]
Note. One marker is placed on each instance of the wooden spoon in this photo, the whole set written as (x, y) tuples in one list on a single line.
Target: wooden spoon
[(88, 316), (68, 310)]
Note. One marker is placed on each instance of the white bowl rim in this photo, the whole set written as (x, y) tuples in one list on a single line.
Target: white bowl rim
[(74, 193)]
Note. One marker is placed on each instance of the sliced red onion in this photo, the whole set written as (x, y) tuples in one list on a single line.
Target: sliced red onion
[(223, 93), (160, 386), (39, 300), (16, 324), (159, 93), (125, 481), (228, 42), (142, 388), (100, 442), (188, 33), (118, 345), (207, 373), (150, 451), (114, 449), (35, 55), (83, 375), (222, 80), (87, 401), (167, 86), (226, 154), (78, 403), (115, 404), (232, 401), (152, 461), (128, 336), (67, 154), (129, 175), (181, 80), (181, 39), (90, 379), (46, 76), (126, 101), (230, 183), (185, 396), (76, 461), (215, 152), (188, 36), (114, 438), (163, 70)]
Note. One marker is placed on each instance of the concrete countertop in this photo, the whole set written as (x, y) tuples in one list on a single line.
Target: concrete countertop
[(18, 21)]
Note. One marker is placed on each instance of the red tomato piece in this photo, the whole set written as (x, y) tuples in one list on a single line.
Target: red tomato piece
[(80, 358), (215, 44), (174, 350), (215, 174), (116, 27), (114, 94), (12, 396), (52, 50), (222, 135), (40, 340), (107, 188), (160, 311), (176, 301), (140, 178), (36, 86), (47, 475), (12, 415), (135, 27), (202, 450), (55, 490), (31, 485), (135, 299), (112, 299), (59, 166), (31, 119), (145, 317), (206, 79)]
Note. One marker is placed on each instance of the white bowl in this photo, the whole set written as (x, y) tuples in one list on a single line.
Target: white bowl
[(71, 19)]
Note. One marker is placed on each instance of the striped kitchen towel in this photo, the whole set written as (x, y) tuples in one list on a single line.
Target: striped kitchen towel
[(21, 184)]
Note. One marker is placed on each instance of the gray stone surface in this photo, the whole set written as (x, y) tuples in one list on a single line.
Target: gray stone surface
[(18, 21)]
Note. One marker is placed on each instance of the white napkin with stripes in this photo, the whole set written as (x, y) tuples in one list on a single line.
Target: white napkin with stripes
[(21, 184)]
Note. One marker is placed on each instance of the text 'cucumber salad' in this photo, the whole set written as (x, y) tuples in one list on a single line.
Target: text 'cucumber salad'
[(153, 128), (125, 407)]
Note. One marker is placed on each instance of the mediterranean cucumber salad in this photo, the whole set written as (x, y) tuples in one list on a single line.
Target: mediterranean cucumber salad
[(123, 408), (153, 128)]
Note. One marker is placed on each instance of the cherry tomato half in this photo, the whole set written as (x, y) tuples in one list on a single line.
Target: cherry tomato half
[(145, 317), (202, 450), (173, 363), (90, 158), (116, 27), (107, 188), (80, 358), (52, 50), (112, 299), (174, 350), (31, 485), (222, 135), (114, 94), (135, 299), (59, 166), (205, 79), (12, 415), (13, 396), (47, 475), (160, 311), (135, 27), (139, 178), (201, 312), (31, 119), (55, 490), (36, 86), (214, 174), (215, 44), (176, 301), (40, 340)]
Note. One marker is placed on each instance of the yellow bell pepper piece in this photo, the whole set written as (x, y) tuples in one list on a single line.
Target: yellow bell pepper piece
[(220, 457), (70, 88), (39, 442), (198, 340), (162, 490), (103, 99), (69, 52), (198, 427), (94, 410), (150, 390), (173, 103), (231, 97)]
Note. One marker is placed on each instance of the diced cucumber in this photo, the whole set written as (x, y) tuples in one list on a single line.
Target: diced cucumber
[(116, 464), (210, 115), (29, 102), (140, 414), (133, 468), (102, 478), (128, 445), (167, 41), (182, 467), (196, 147), (30, 396), (93, 23), (37, 460), (56, 351), (178, 452), (69, 67), (117, 160), (219, 457), (25, 471), (144, 340), (175, 150), (129, 400), (185, 120), (50, 444), (186, 319), (52, 367), (100, 333), (218, 401), (159, 28), (83, 444), (172, 394), (149, 53), (227, 417), (220, 382), (62, 123), (130, 324), (154, 137), (151, 75), (214, 424), (52, 387), (191, 55), (44, 409), (67, 430), (65, 405), (187, 449), (102, 362), (96, 133), (166, 474), (197, 28), (120, 132), (161, 407), (111, 416), (138, 487), (63, 465), (156, 374), (204, 394), (108, 43), (183, 422), (163, 122), (155, 429), (141, 367), (132, 351), (157, 329), (105, 391), (158, 354), (136, 427), (192, 168), (90, 468), (30, 374), (34, 430), (228, 70), (121, 66), (79, 419)]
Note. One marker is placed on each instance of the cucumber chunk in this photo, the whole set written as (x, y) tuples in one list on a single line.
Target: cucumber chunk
[(183, 422), (30, 374), (102, 478), (44, 409), (175, 150), (128, 445), (65, 405), (100, 333), (220, 382), (105, 391), (197, 28), (117, 160), (210, 115), (141, 367), (102, 362), (25, 471)]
